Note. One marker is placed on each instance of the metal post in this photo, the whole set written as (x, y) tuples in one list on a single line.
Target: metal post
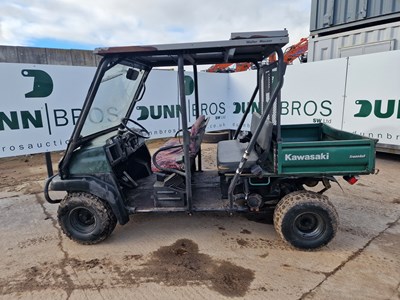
[(259, 83), (197, 103), (49, 164), (278, 117), (186, 137)]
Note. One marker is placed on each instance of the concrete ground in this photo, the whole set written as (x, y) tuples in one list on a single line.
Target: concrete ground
[(204, 256)]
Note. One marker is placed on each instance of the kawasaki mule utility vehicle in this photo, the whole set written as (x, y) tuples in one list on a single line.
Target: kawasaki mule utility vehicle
[(109, 174)]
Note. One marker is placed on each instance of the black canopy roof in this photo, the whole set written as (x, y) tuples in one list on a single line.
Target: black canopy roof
[(242, 47)]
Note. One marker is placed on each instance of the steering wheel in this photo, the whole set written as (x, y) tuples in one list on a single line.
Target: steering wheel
[(142, 132)]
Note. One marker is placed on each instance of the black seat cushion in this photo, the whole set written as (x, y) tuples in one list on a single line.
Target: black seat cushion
[(229, 154)]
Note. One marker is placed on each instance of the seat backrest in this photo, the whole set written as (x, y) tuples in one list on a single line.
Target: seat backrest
[(196, 134), (255, 120), (265, 136)]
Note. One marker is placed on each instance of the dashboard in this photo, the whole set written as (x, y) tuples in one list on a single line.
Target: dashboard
[(119, 147)]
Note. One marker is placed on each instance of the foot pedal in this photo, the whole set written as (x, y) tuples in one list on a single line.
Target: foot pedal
[(161, 176), (174, 181)]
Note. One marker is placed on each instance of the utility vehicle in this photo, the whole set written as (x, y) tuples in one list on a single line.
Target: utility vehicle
[(109, 174)]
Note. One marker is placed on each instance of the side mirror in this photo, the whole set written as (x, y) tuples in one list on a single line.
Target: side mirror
[(132, 74)]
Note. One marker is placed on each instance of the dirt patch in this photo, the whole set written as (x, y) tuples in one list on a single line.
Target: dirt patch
[(242, 242), (257, 243), (34, 241), (82, 264), (179, 264), (396, 201), (134, 257)]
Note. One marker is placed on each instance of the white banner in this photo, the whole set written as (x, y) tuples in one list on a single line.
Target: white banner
[(313, 93), (372, 106), (40, 104), (159, 110)]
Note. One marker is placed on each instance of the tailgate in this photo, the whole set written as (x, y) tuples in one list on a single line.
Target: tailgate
[(347, 154)]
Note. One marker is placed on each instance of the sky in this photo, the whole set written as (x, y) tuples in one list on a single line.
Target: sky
[(87, 24)]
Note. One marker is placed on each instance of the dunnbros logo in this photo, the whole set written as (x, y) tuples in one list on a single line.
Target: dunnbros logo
[(42, 87), (46, 116), (366, 108), (171, 111), (42, 83), (25, 119)]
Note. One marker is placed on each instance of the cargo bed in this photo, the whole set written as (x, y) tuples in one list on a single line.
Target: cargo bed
[(322, 150)]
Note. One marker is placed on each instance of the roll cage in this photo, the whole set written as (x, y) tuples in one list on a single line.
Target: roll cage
[(252, 47)]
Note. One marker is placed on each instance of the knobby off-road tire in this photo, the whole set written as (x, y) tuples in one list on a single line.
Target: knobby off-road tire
[(85, 218), (306, 220)]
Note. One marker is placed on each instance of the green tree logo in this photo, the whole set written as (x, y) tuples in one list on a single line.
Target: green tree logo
[(42, 83)]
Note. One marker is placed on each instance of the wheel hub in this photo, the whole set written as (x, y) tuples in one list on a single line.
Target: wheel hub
[(82, 219), (309, 225)]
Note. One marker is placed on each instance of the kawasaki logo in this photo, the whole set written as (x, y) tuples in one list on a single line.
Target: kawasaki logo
[(320, 156)]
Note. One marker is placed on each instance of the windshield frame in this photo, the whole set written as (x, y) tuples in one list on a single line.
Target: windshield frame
[(119, 87), (107, 64)]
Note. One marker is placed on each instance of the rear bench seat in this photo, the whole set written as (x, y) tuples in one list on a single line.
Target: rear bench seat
[(230, 153), (170, 156)]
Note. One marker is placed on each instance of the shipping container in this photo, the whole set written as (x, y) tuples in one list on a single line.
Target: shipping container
[(332, 16), (355, 42)]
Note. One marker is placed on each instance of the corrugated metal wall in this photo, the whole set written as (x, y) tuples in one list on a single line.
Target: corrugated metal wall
[(336, 15), (32, 55), (356, 42)]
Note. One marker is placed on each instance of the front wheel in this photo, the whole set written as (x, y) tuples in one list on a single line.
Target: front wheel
[(85, 218), (306, 220)]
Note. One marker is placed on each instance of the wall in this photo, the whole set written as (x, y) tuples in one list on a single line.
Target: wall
[(32, 55)]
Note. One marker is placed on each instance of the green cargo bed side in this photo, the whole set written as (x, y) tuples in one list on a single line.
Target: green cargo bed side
[(322, 150)]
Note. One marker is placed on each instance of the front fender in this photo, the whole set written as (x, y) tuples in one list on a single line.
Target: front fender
[(103, 186)]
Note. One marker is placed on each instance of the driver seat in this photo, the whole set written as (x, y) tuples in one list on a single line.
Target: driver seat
[(170, 156)]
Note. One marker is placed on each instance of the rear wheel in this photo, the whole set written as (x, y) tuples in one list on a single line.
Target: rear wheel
[(306, 220), (85, 218)]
